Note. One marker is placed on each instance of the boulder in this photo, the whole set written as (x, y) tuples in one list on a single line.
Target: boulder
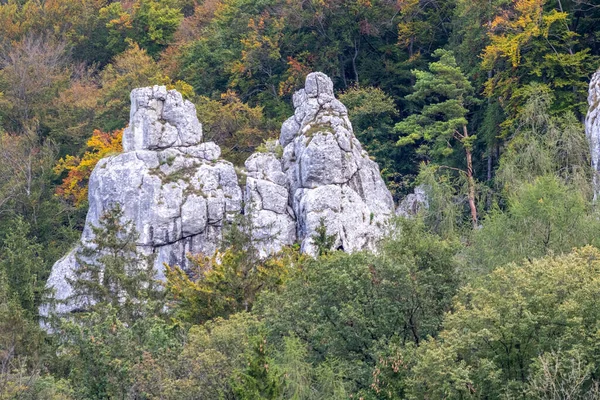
[(413, 203)]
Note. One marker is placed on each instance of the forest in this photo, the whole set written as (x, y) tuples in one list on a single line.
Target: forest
[(489, 292)]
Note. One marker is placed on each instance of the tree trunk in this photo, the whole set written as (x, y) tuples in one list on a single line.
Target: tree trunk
[(470, 181), (354, 62), (489, 164)]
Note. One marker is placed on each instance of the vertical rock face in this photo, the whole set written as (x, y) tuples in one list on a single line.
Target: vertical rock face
[(328, 176), (592, 129), (172, 187), (266, 202)]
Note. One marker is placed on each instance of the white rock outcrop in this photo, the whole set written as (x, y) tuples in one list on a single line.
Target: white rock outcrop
[(413, 203), (266, 202), (160, 119), (592, 129), (174, 189), (178, 193), (327, 174)]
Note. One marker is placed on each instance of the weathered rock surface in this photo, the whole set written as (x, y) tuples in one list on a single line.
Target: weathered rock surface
[(329, 175), (173, 188), (160, 119), (266, 202), (178, 193), (413, 203), (592, 129)]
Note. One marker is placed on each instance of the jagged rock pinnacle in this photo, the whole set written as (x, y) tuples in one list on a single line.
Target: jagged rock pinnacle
[(174, 189), (327, 175)]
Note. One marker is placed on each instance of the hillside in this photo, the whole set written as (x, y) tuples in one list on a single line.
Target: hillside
[(299, 199)]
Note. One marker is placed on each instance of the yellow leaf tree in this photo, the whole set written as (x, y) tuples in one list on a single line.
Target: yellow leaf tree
[(74, 188)]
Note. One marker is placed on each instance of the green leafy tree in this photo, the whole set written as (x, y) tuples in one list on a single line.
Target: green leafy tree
[(235, 126), (545, 144), (21, 342), (149, 23), (542, 217), (304, 380), (105, 357), (211, 356), (154, 24), (443, 214), (444, 94), (120, 322), (342, 306), (536, 41), (288, 373), (544, 180), (261, 379), (507, 325), (229, 281)]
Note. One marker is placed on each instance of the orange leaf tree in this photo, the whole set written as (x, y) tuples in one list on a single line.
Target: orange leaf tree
[(74, 188)]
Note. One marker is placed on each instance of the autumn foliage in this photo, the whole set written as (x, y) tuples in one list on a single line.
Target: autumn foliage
[(480, 103), (74, 188)]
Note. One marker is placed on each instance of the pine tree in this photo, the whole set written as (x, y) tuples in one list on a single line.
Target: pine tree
[(444, 93), (22, 265), (113, 273), (261, 379), (322, 240)]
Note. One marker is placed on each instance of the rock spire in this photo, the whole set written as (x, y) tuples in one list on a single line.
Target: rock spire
[(326, 174)]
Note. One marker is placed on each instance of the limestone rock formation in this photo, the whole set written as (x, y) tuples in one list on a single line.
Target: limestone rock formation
[(266, 202), (327, 174), (172, 187), (592, 129), (413, 203), (178, 193), (160, 119)]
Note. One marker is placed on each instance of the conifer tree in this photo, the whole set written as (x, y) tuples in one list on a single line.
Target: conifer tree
[(444, 94), (322, 240), (113, 273), (22, 265), (261, 379)]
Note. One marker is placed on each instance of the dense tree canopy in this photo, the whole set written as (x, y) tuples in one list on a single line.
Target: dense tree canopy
[(490, 292)]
